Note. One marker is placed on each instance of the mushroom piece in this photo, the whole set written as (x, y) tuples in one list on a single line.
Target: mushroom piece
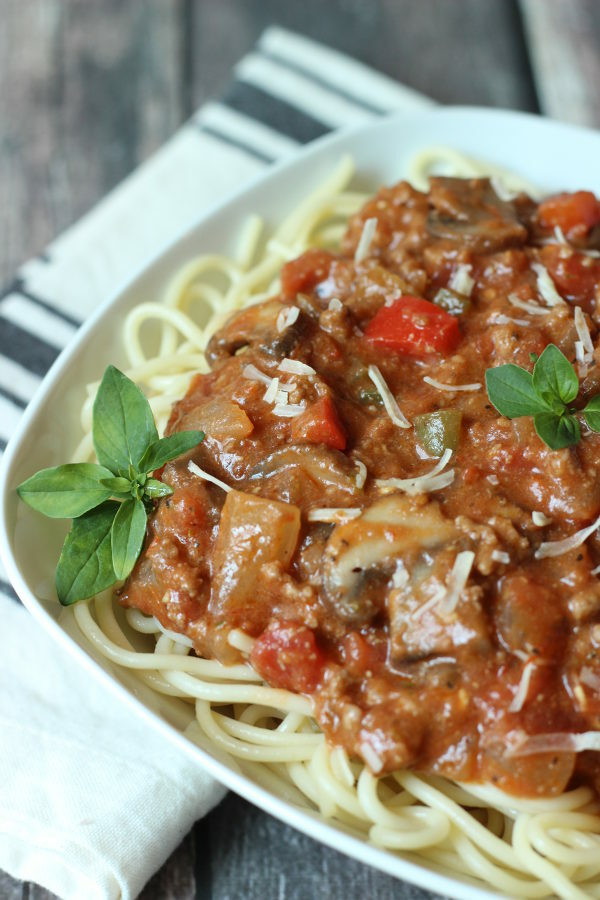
[(256, 325), (360, 555), (472, 213)]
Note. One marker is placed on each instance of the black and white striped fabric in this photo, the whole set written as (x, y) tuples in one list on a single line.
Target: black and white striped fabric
[(288, 91)]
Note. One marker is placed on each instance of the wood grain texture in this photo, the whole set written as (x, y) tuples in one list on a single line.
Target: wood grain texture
[(564, 41), (468, 52), (87, 91)]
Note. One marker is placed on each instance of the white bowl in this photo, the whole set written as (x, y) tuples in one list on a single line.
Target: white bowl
[(549, 154)]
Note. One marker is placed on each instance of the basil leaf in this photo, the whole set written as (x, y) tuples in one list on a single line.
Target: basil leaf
[(510, 389), (127, 536), (557, 431), (155, 489), (591, 413), (167, 448), (117, 485), (122, 424), (554, 377), (85, 566), (65, 492)]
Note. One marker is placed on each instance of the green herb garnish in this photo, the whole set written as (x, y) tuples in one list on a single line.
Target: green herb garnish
[(544, 394), (107, 535)]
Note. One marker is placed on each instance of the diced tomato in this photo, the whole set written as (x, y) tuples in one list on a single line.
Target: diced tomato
[(320, 424), (287, 656), (577, 277), (575, 214), (414, 326), (302, 274)]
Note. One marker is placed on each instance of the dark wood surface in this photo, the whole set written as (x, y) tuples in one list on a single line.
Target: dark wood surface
[(89, 88)]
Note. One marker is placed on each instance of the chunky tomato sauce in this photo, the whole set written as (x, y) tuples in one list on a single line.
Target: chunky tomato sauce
[(355, 612)]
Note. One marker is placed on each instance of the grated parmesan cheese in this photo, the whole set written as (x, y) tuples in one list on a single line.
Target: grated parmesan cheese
[(287, 317), (475, 386), (335, 304), (435, 480), (493, 479), (519, 743), (400, 578), (361, 475), (540, 519), (366, 239), (557, 548), (501, 319), (196, 470), (295, 367), (288, 410), (337, 515), (595, 571), (501, 556), (370, 757), (271, 392), (254, 374), (457, 581), (546, 286), (461, 281), (561, 239), (389, 401), (520, 697), (590, 678), (585, 338), (281, 398), (529, 306)]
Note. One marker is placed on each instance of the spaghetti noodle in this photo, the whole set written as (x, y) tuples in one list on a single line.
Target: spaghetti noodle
[(526, 848)]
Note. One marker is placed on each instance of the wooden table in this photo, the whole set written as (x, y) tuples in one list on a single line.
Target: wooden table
[(90, 88)]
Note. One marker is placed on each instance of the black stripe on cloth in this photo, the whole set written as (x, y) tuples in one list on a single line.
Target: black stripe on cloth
[(13, 398), (7, 590), (322, 82), (234, 142), (18, 286), (24, 348), (277, 114)]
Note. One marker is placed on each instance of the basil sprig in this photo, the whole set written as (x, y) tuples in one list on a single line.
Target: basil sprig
[(107, 535), (544, 394)]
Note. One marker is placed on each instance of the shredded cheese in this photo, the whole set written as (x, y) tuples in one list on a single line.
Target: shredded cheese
[(337, 515), (529, 306), (546, 286), (595, 571), (501, 556), (400, 578), (461, 281), (370, 757), (493, 479), (295, 367), (540, 519), (366, 239), (457, 581), (585, 338), (254, 374), (475, 386), (520, 697), (557, 548), (435, 480), (288, 410), (196, 470), (389, 401), (501, 319), (271, 392), (335, 304), (590, 678), (361, 475), (287, 317), (281, 398), (519, 743)]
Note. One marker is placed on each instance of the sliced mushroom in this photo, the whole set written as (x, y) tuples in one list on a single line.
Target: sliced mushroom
[(360, 555), (470, 211), (256, 325)]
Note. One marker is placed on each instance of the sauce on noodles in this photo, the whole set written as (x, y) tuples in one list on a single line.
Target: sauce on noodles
[(374, 525)]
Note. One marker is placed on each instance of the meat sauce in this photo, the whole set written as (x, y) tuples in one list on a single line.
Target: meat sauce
[(347, 612)]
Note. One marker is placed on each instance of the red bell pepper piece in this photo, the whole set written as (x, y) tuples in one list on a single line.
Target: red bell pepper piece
[(413, 326), (320, 424), (575, 214)]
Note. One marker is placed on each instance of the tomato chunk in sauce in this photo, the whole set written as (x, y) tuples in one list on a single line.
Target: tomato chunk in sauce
[(413, 611)]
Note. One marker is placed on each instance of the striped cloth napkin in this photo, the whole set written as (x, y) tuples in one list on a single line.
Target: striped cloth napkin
[(78, 813)]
